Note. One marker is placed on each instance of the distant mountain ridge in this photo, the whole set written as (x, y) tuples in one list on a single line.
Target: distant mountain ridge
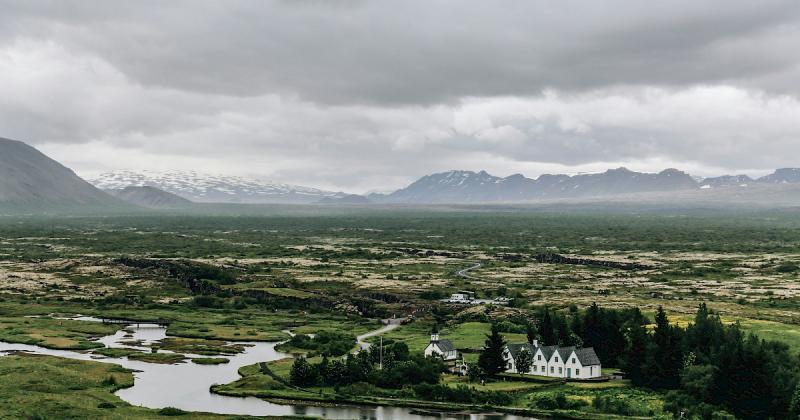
[(472, 187), (480, 187), (151, 197), (206, 188), (32, 182)]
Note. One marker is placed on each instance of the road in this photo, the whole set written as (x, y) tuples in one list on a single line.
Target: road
[(463, 273), (393, 323)]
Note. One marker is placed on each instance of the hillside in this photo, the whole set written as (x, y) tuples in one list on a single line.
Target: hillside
[(32, 182), (151, 197)]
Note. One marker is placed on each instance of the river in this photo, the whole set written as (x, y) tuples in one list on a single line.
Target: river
[(186, 385)]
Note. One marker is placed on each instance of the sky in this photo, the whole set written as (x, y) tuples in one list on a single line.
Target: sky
[(363, 96)]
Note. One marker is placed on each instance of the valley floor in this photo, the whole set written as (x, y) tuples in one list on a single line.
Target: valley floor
[(227, 280)]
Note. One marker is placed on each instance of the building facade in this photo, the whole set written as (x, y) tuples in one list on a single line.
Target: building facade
[(555, 361)]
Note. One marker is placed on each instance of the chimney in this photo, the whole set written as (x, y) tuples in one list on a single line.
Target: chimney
[(535, 343), (435, 338)]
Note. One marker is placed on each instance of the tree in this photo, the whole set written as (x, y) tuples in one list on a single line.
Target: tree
[(547, 329), (491, 359), (530, 332), (474, 372), (664, 357), (593, 331), (636, 354), (524, 361), (794, 406), (303, 374)]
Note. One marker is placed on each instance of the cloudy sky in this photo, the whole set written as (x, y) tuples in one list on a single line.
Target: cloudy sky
[(368, 95)]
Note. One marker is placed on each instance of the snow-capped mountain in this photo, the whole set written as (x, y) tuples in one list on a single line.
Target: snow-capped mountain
[(473, 187), (206, 188), (726, 181)]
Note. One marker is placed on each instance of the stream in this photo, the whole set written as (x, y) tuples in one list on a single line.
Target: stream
[(186, 385)]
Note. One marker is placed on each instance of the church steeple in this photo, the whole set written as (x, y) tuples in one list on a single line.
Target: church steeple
[(435, 335)]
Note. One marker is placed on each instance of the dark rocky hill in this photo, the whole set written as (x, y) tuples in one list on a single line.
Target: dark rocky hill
[(32, 182)]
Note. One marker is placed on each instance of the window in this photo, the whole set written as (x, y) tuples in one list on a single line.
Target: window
[(539, 357), (573, 360), (556, 359), (560, 370), (577, 372), (552, 369)]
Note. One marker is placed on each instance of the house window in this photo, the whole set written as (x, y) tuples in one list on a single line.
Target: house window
[(577, 372), (560, 370), (552, 369), (539, 357), (573, 360), (556, 359)]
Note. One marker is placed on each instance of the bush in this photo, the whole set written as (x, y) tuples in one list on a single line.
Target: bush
[(787, 267), (461, 394), (326, 343), (106, 405), (556, 401), (171, 411), (110, 381), (205, 301)]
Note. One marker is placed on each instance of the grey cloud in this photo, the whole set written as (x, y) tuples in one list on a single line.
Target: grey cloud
[(388, 52), (360, 95)]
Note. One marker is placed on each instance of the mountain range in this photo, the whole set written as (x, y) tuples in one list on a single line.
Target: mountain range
[(207, 188), (30, 181), (481, 187)]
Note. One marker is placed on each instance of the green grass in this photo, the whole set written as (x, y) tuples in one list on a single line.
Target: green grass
[(45, 387), (160, 358), (210, 361), (53, 333)]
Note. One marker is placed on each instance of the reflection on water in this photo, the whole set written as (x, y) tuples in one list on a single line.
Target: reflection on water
[(186, 385)]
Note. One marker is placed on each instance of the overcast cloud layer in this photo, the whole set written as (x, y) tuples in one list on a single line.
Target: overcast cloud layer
[(355, 95)]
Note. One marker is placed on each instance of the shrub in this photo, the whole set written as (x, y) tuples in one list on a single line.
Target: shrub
[(171, 411)]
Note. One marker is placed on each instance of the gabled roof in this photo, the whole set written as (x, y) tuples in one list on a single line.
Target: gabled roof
[(548, 351), (445, 345), (565, 352), (515, 349), (587, 356)]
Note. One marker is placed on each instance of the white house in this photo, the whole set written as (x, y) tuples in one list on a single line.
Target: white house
[(441, 348), (464, 297), (555, 361)]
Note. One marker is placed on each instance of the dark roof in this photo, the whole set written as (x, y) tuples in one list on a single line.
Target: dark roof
[(587, 356), (548, 351), (565, 352), (445, 345), (515, 349)]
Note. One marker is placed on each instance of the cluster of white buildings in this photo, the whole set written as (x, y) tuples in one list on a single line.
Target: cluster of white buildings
[(466, 297), (554, 361)]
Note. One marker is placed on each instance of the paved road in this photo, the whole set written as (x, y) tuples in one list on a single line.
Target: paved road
[(393, 323), (464, 272)]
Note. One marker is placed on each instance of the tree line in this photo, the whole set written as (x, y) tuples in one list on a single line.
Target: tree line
[(707, 370)]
